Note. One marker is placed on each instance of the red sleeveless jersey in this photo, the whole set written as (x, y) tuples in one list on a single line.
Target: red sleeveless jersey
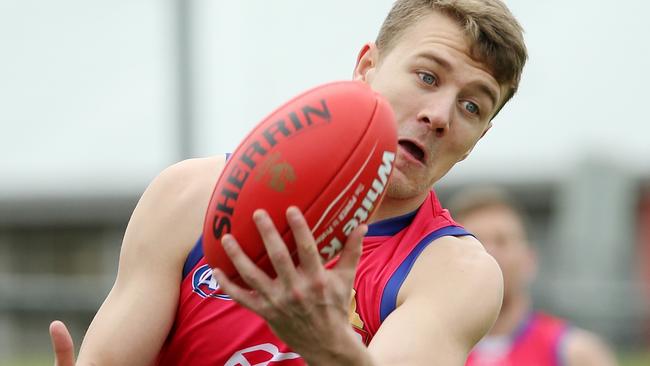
[(537, 342), (211, 329)]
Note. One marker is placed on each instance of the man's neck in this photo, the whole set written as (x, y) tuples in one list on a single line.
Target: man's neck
[(513, 313), (393, 207)]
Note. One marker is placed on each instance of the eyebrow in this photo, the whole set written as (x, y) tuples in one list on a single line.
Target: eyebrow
[(447, 66), (490, 93)]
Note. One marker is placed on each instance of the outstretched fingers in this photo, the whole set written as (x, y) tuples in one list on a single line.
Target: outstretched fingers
[(352, 250), (61, 344), (252, 275), (310, 262), (247, 298), (276, 248)]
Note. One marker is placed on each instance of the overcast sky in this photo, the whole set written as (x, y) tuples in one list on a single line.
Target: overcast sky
[(89, 88)]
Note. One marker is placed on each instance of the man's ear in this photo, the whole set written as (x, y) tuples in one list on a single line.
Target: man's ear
[(366, 63)]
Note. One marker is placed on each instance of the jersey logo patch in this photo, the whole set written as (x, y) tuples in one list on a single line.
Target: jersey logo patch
[(205, 285), (248, 355)]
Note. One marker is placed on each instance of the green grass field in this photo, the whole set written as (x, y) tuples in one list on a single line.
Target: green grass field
[(635, 359)]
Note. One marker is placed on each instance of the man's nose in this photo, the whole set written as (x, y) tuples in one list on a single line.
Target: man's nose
[(437, 114)]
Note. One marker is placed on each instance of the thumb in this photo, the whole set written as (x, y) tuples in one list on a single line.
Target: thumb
[(61, 344)]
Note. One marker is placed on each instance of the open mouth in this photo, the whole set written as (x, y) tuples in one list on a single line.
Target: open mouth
[(413, 149)]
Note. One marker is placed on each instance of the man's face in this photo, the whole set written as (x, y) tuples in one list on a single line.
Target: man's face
[(502, 234), (443, 100)]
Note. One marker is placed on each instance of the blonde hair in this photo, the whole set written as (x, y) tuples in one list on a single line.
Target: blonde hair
[(495, 35)]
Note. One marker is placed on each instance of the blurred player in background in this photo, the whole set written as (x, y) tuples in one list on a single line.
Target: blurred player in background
[(521, 335), (424, 291)]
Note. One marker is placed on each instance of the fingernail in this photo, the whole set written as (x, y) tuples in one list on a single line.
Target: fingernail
[(293, 212), (227, 241), (259, 214)]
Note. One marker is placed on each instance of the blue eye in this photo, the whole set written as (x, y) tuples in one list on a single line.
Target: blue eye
[(471, 107), (427, 78)]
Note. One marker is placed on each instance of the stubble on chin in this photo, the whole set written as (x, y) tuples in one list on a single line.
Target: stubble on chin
[(400, 187)]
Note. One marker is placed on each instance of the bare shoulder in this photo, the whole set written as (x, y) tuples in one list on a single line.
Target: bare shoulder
[(448, 301), (585, 348), (169, 215), (452, 250), (189, 177), (163, 228), (458, 258), (465, 281)]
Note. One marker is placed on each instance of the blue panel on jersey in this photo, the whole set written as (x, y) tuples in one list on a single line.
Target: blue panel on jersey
[(194, 257), (522, 329), (389, 297), (392, 226)]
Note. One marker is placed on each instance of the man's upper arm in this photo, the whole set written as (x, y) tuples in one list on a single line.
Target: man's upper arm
[(450, 299), (134, 320)]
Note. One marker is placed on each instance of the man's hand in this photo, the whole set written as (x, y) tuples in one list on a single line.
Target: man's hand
[(307, 306), (62, 344)]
